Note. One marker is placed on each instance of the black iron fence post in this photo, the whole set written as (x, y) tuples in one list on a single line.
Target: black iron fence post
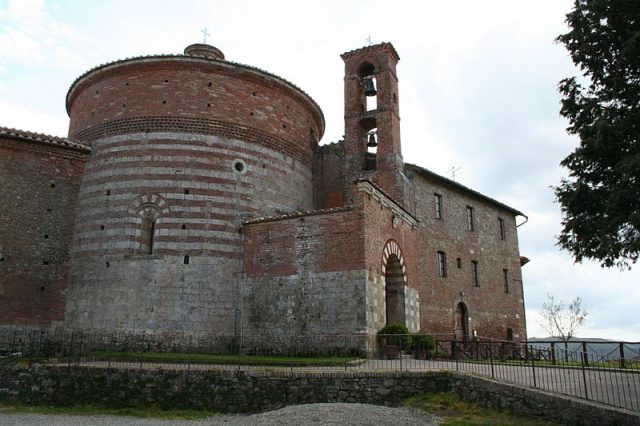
[(80, 350), (491, 359), (401, 339), (13, 342), (553, 353), (585, 357), (455, 353), (70, 354), (533, 369), (584, 374), (621, 349)]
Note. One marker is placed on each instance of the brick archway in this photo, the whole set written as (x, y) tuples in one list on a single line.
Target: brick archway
[(394, 271), (391, 247)]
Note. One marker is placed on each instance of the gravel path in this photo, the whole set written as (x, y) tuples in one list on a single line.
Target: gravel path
[(310, 414)]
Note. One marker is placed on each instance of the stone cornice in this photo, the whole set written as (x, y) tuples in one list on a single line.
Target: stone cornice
[(377, 194)]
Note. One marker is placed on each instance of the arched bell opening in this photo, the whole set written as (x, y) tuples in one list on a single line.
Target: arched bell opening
[(394, 291), (367, 76), (370, 142)]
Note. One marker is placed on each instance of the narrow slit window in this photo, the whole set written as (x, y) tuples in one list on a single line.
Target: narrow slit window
[(442, 264), (505, 279), (470, 219), (501, 228), (147, 233), (437, 198), (475, 274)]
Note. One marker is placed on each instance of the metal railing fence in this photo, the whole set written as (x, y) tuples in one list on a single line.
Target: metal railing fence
[(602, 371)]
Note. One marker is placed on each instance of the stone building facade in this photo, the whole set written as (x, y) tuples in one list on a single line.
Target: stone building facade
[(192, 196)]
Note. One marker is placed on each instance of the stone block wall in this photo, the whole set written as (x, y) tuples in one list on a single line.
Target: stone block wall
[(254, 391), (305, 274), (155, 293)]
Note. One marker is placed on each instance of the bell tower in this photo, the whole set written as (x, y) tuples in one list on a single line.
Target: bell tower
[(372, 120)]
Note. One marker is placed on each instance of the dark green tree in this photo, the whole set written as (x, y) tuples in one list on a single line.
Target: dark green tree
[(600, 200)]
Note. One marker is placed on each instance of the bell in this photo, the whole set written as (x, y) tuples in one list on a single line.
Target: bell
[(369, 87), (372, 141)]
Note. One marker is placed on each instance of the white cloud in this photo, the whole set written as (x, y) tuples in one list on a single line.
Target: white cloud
[(477, 89), (31, 119)]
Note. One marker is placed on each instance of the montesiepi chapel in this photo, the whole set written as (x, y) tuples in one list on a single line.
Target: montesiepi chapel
[(191, 196)]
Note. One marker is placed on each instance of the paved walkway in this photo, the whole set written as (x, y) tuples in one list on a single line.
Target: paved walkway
[(608, 386)]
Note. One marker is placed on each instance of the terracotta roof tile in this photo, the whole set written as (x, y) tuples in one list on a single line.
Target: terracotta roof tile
[(296, 214), (383, 45), (11, 133)]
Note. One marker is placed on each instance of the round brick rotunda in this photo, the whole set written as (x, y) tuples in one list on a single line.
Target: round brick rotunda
[(184, 149)]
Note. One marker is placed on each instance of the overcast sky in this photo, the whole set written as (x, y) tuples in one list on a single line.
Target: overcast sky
[(478, 92)]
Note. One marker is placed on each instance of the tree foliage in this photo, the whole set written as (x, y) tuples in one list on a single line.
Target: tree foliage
[(562, 321), (600, 200)]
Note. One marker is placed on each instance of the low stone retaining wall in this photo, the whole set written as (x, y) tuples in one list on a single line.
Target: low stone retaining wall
[(532, 402), (221, 391), (252, 391)]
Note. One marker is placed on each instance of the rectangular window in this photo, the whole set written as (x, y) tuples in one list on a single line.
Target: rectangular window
[(501, 228), (470, 219), (505, 278), (475, 274), (442, 264), (438, 201)]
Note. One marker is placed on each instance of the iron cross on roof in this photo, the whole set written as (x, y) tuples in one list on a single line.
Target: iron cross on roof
[(205, 33)]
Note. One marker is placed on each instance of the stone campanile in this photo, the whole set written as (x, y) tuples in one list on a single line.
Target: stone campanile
[(372, 119)]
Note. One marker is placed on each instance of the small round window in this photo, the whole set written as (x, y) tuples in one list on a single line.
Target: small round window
[(239, 166)]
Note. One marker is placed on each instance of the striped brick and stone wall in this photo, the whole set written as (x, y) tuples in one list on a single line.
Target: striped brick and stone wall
[(185, 148)]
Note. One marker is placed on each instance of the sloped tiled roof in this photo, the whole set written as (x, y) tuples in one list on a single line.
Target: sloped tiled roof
[(383, 45), (296, 214), (441, 179), (41, 138)]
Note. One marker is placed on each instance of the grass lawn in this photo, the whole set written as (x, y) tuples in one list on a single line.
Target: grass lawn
[(447, 406), (170, 357), (90, 410), (459, 413)]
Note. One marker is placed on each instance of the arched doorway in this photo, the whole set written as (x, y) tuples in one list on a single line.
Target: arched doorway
[(462, 322), (394, 290)]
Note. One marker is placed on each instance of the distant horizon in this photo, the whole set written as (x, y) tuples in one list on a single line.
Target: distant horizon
[(478, 95)]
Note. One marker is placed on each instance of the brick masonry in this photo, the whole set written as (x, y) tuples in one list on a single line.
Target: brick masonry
[(40, 180), (491, 309), (206, 206)]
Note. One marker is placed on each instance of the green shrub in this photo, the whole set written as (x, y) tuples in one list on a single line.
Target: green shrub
[(396, 335), (423, 341)]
